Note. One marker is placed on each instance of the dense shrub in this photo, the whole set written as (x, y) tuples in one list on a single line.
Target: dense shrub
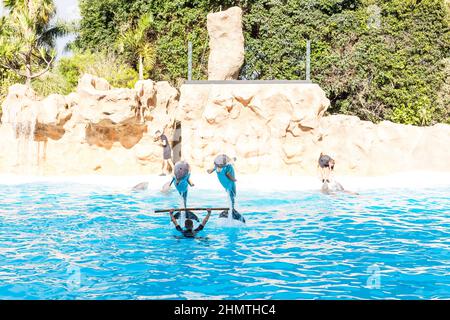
[(102, 64), (64, 77)]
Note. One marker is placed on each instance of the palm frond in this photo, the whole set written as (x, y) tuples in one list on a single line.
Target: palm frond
[(49, 35), (148, 52), (27, 36), (144, 24), (46, 10), (10, 4), (133, 40)]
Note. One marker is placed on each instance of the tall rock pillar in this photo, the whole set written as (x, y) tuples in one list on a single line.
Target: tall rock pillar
[(226, 44)]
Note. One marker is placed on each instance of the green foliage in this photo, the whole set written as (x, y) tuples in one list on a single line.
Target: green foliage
[(28, 37), (443, 101), (417, 113), (377, 59), (103, 64), (7, 77), (174, 23), (51, 82)]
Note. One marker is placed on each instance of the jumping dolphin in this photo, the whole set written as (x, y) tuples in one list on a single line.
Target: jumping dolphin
[(189, 215), (226, 175), (181, 179)]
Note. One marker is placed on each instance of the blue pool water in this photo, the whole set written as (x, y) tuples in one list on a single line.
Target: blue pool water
[(86, 242)]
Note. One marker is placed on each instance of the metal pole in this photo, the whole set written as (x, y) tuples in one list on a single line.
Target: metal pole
[(308, 60), (189, 60)]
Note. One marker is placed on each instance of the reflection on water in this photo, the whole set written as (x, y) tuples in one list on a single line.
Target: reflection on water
[(68, 242)]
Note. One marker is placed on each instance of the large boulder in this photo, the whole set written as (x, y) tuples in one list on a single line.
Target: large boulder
[(146, 97), (19, 104), (53, 110), (275, 128), (280, 128), (166, 97), (24, 112), (97, 129), (365, 148), (97, 102), (226, 44), (89, 82), (249, 121), (106, 133)]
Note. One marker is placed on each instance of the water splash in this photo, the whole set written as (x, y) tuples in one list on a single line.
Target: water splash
[(231, 207), (182, 218), (229, 221)]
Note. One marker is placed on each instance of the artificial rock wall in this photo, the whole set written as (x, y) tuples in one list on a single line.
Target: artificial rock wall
[(280, 129), (256, 123), (97, 129), (271, 128)]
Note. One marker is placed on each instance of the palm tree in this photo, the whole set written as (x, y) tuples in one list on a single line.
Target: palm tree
[(134, 42), (27, 37)]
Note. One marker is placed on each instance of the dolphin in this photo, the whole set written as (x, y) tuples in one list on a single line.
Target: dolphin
[(224, 162), (140, 187), (181, 179), (181, 169), (334, 187), (189, 215)]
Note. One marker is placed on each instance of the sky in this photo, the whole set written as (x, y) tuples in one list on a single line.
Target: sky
[(65, 10)]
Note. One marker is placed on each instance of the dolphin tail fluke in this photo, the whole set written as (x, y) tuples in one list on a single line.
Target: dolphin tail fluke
[(192, 216), (189, 215), (238, 216), (235, 215), (223, 214)]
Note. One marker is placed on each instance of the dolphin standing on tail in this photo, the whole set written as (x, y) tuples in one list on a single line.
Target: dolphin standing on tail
[(181, 180), (227, 178)]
